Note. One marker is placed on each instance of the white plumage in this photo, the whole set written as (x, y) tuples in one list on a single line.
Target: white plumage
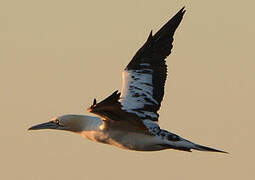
[(129, 119)]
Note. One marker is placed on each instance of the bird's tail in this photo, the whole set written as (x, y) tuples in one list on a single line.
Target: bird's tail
[(185, 145), (205, 148)]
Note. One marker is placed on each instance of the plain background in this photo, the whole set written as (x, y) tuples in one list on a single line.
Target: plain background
[(56, 56)]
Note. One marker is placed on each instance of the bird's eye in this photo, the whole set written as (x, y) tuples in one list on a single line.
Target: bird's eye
[(57, 122)]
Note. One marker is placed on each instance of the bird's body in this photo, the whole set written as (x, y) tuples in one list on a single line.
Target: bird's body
[(130, 140), (123, 139), (129, 120), (92, 128)]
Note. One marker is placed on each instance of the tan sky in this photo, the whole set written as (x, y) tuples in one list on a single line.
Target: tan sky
[(56, 56)]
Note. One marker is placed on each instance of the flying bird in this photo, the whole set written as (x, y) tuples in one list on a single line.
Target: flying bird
[(129, 119)]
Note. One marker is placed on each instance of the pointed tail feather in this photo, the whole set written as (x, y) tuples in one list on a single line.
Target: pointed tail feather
[(205, 148), (185, 145)]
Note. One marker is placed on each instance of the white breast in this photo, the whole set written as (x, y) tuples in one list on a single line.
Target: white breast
[(126, 140)]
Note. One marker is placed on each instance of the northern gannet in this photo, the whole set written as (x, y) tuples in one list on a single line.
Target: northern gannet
[(129, 119)]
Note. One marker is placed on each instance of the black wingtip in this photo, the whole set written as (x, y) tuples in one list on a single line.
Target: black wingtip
[(150, 38), (170, 27), (150, 34), (183, 9), (181, 12), (116, 93), (94, 101)]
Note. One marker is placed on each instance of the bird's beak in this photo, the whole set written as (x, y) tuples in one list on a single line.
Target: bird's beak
[(47, 125)]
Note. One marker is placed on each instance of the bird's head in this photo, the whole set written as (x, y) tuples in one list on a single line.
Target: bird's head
[(74, 123)]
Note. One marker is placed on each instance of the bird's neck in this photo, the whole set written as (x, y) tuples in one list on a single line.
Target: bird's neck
[(91, 123), (80, 123)]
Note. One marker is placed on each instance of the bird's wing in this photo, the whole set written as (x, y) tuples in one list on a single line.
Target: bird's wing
[(143, 82), (144, 77), (111, 112)]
